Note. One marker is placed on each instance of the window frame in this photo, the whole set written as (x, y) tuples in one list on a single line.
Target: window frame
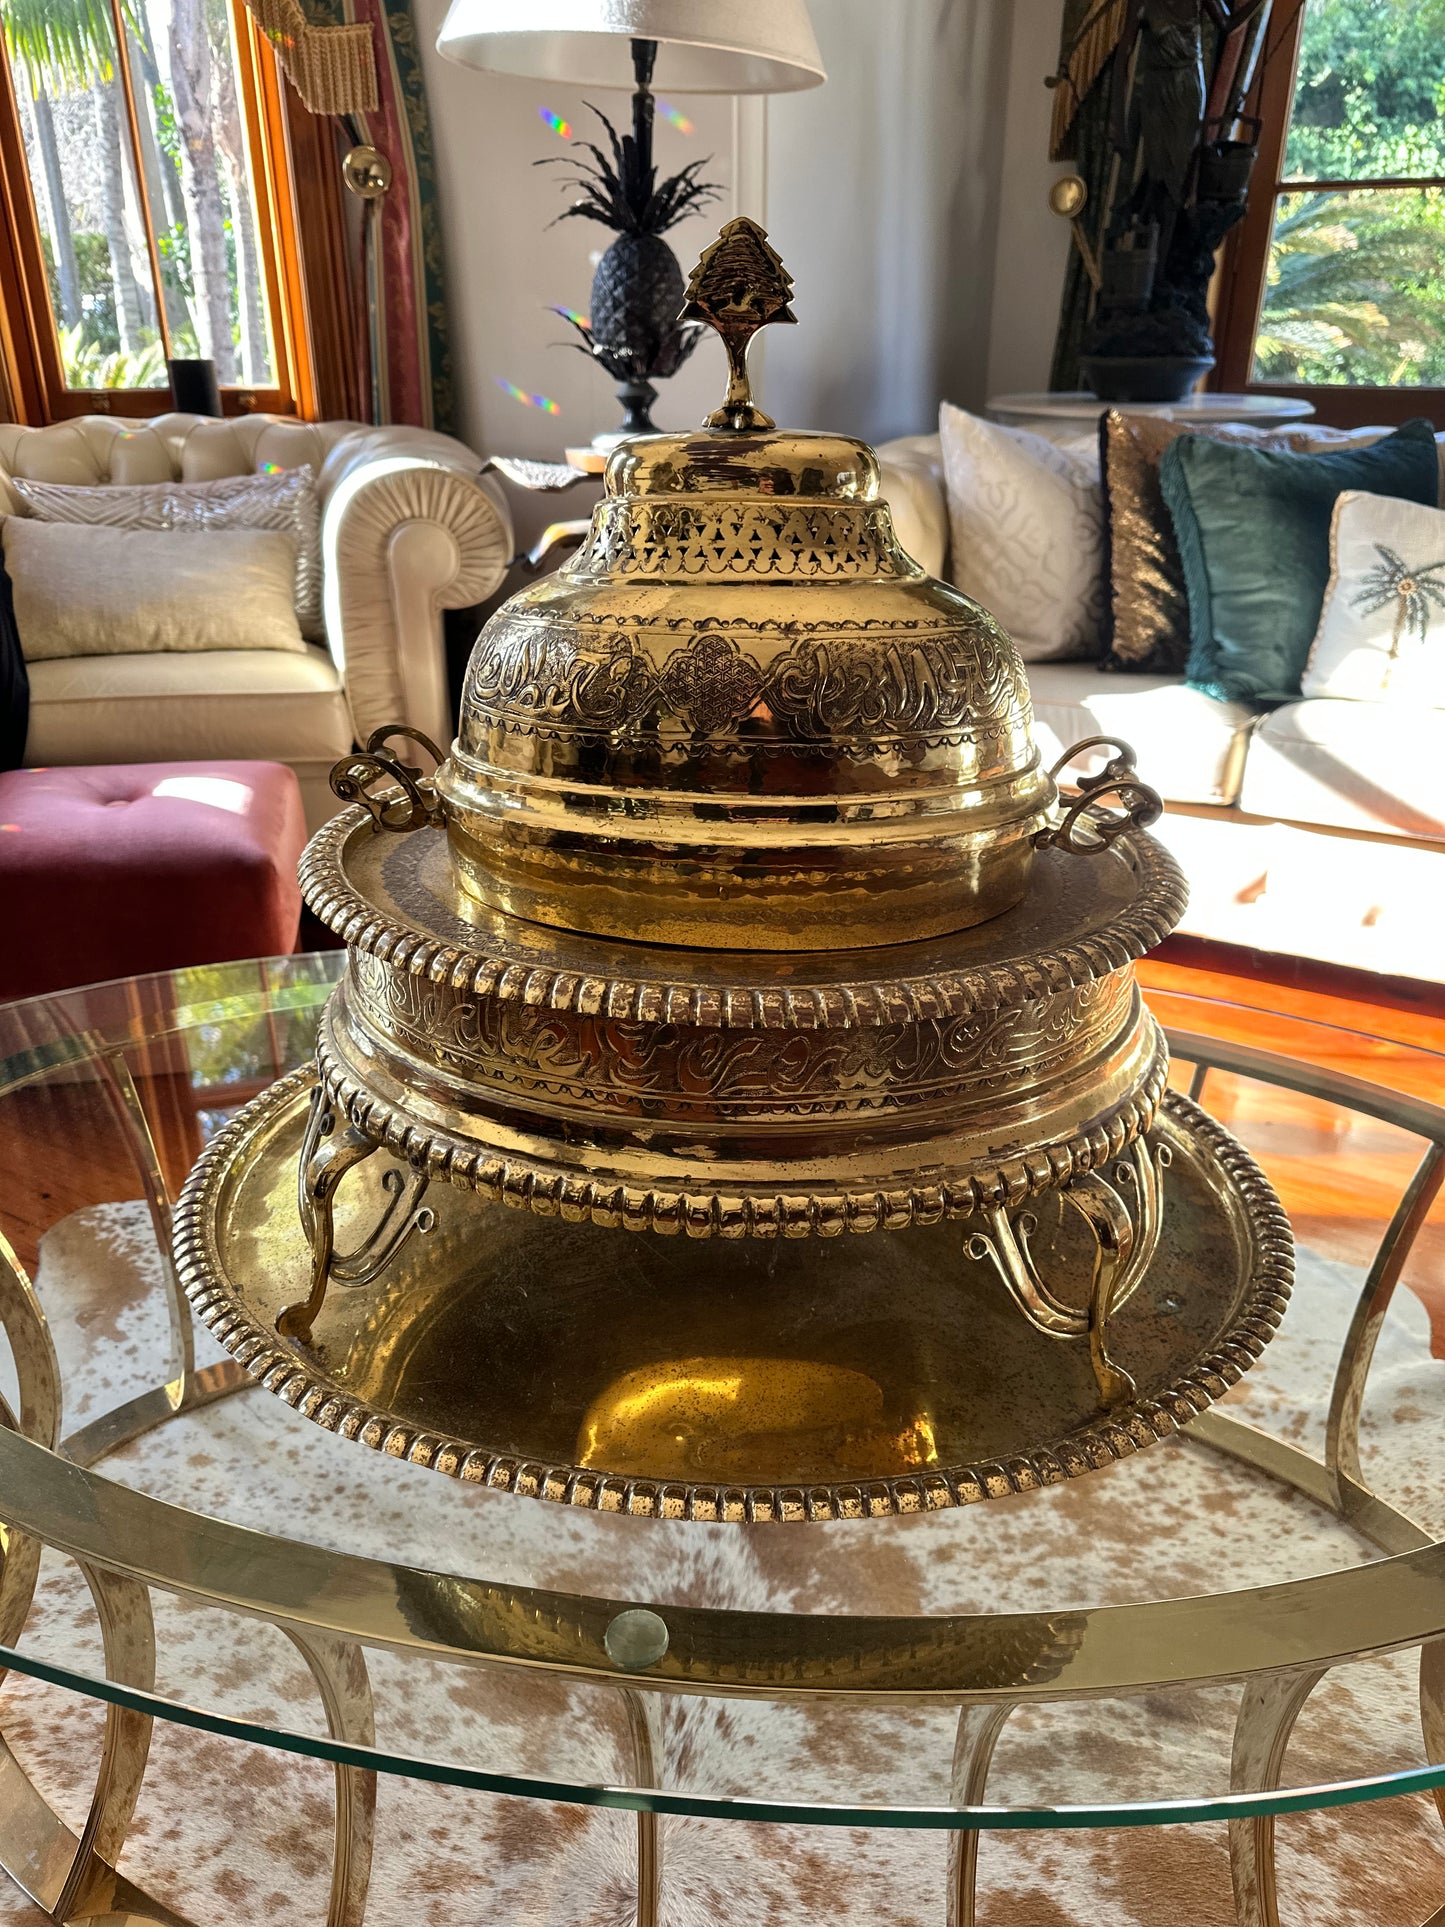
[(1244, 266), (30, 364)]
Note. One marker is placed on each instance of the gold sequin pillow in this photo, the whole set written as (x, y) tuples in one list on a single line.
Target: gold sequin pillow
[(1147, 613)]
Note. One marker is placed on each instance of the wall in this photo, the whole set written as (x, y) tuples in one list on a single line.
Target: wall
[(907, 196), (883, 195), (507, 263), (1033, 243)]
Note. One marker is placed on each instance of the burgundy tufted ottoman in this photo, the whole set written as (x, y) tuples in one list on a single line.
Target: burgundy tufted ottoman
[(117, 869)]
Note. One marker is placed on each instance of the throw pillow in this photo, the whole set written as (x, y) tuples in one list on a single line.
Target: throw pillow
[(1147, 606), (1382, 631), (1253, 526), (1026, 522), (14, 683), (286, 502), (104, 592)]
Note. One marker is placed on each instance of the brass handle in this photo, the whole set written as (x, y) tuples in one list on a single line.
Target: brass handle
[(354, 776), (1123, 1211), (1087, 827)]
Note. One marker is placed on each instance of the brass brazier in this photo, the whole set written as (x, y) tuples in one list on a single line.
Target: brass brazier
[(742, 908)]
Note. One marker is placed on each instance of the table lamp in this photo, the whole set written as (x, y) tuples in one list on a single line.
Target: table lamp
[(697, 46)]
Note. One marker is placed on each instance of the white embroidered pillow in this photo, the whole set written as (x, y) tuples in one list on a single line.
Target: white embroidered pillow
[(286, 502), (1382, 630), (1026, 519)]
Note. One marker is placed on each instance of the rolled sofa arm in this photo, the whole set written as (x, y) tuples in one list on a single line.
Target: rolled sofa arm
[(912, 477), (408, 528)]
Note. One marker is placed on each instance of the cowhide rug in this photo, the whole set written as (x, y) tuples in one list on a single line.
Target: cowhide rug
[(235, 1833)]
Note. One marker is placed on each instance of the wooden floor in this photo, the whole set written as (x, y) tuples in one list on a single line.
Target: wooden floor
[(61, 1146), (1340, 1175)]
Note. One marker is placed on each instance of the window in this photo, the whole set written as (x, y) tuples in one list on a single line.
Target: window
[(1336, 279), (142, 147)]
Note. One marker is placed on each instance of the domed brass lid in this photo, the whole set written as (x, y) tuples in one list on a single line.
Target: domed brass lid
[(742, 717)]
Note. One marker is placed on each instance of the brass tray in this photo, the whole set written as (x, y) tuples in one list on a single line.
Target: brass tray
[(731, 1093), (396, 898), (695, 1380)]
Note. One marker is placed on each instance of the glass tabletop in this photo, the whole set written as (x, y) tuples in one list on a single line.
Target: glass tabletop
[(1235, 1624)]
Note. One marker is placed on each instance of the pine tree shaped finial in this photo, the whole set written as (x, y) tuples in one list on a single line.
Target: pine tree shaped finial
[(739, 286)]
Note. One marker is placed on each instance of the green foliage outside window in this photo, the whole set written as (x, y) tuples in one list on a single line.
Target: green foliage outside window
[(190, 153), (1356, 280)]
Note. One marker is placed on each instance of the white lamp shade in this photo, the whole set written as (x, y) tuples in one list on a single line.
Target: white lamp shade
[(711, 46)]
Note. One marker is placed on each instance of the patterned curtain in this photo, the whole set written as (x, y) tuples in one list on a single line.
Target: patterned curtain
[(358, 60)]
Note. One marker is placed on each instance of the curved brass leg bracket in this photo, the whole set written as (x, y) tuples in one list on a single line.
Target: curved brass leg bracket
[(338, 1667), (1432, 1709), (1268, 1709), (978, 1731), (327, 1154), (1123, 1213), (649, 1827)]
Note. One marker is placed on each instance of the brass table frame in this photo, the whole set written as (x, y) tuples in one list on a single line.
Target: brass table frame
[(1279, 1640)]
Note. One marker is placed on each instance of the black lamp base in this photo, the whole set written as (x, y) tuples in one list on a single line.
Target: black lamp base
[(637, 398), (194, 389)]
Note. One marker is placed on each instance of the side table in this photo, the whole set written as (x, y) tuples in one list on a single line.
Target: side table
[(1075, 411), (550, 478)]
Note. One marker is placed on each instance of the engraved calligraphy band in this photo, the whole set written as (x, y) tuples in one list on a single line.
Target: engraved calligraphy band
[(354, 776), (1087, 826)]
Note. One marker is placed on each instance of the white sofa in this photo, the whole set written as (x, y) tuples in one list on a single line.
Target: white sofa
[(1316, 829), (409, 528)]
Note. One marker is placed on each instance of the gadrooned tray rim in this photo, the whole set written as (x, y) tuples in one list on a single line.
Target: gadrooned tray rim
[(290, 1374), (654, 995)]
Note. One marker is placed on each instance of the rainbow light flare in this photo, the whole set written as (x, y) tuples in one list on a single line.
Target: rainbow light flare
[(544, 402), (562, 128), (675, 117), (577, 320)]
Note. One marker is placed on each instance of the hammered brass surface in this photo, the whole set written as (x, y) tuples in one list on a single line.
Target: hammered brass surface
[(813, 1380), (752, 1181), (755, 916), (741, 717)]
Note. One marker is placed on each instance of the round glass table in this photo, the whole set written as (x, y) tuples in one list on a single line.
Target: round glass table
[(253, 1671)]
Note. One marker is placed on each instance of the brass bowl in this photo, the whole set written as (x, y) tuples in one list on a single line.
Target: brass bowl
[(743, 908)]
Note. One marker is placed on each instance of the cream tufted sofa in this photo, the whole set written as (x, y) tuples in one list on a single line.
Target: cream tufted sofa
[(408, 529)]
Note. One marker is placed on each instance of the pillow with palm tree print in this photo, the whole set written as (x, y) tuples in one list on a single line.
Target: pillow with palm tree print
[(1382, 629)]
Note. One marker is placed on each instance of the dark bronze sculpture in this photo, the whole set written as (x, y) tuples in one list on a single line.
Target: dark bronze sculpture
[(1150, 99)]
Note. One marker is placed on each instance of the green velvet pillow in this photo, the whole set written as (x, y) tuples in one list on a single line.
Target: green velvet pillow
[(1253, 527)]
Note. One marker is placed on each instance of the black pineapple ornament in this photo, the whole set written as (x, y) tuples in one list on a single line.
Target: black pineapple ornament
[(637, 292)]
